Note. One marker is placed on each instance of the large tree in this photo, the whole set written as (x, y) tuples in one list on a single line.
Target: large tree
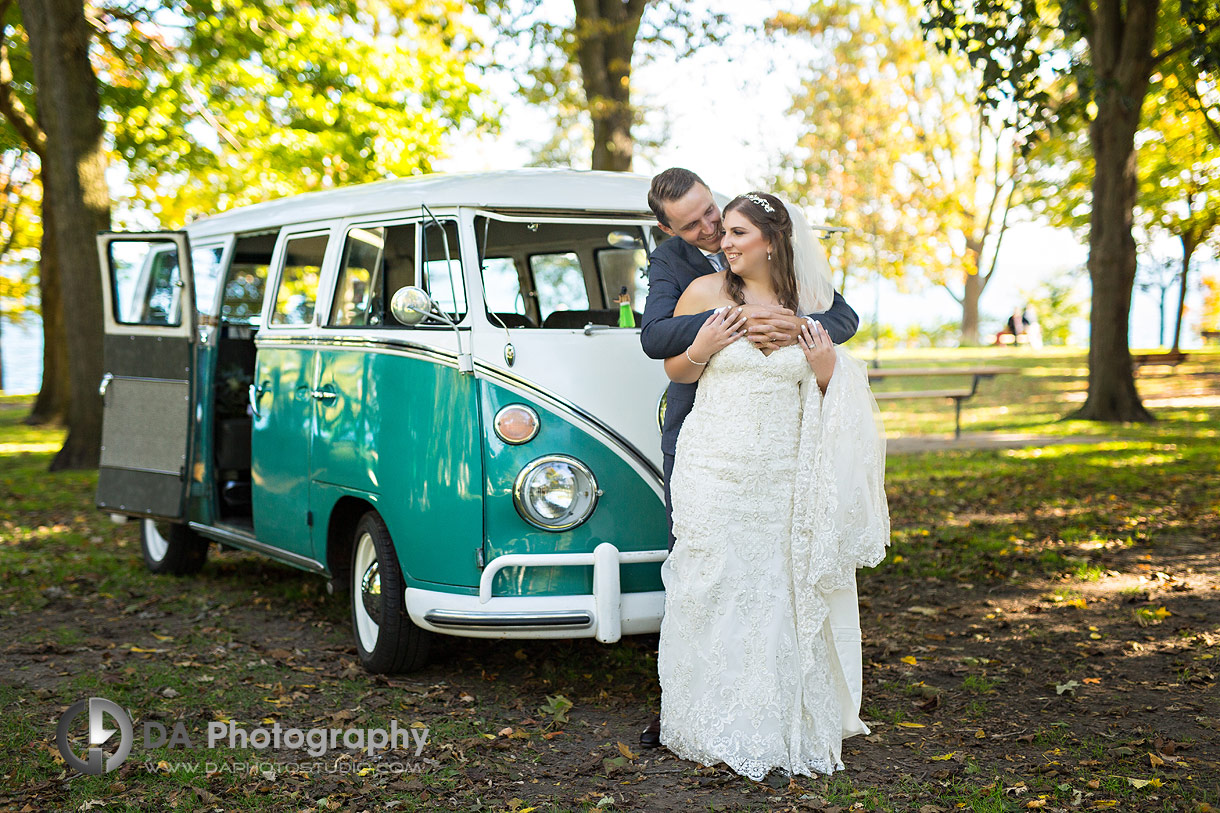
[(76, 201), (582, 64), (1112, 47), (24, 134)]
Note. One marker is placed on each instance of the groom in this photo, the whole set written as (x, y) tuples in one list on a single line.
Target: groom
[(687, 212)]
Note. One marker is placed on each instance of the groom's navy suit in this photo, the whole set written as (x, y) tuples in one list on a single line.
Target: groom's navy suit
[(671, 268)]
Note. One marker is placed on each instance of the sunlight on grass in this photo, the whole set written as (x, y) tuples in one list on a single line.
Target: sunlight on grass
[(29, 448)]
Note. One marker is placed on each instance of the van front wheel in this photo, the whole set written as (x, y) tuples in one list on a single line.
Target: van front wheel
[(172, 548), (386, 638)]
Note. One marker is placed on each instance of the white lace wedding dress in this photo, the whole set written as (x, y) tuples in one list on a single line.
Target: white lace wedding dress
[(777, 499)]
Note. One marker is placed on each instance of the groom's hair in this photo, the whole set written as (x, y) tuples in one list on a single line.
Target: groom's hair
[(671, 184)]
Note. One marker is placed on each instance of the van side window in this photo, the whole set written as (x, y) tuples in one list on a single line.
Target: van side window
[(502, 286), (376, 262), (205, 268), (294, 300), (619, 268), (145, 283), (559, 283), (560, 276), (241, 302), (442, 269)]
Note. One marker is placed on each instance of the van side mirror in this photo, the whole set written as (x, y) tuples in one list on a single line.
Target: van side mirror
[(624, 239), (411, 305)]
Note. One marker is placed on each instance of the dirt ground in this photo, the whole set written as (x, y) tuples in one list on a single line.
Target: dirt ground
[(1014, 698)]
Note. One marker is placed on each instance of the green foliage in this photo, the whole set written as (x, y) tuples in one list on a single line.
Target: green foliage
[(17, 300), (219, 103)]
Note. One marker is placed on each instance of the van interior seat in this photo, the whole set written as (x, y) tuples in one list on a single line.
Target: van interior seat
[(573, 320), (511, 319)]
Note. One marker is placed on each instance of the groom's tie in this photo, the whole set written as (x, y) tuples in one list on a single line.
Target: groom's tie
[(718, 261)]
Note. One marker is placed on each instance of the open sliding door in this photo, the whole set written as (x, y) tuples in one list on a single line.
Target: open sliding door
[(149, 304)]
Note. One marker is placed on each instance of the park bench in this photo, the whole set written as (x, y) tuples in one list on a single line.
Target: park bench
[(1171, 359), (1210, 336), (957, 395)]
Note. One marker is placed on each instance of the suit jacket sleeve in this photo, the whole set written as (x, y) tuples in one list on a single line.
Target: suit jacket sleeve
[(661, 333), (841, 322)]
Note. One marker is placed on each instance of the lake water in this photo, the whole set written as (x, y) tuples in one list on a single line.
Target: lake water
[(21, 348)]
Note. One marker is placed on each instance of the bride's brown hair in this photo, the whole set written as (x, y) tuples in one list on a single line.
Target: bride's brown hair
[(770, 215)]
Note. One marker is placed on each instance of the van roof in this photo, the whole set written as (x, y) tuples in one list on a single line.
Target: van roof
[(528, 189)]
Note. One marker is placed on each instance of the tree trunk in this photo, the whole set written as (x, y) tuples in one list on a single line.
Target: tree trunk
[(1188, 248), (972, 291), (75, 177), (51, 405), (1121, 50), (605, 39)]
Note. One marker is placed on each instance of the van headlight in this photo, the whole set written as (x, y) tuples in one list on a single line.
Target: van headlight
[(555, 492)]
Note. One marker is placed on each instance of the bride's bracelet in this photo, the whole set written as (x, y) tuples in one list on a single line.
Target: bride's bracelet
[(692, 361)]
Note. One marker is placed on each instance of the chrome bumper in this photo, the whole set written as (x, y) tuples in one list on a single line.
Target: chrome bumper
[(606, 615)]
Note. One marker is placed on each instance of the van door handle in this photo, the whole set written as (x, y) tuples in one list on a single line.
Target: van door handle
[(324, 395), (256, 393), (105, 384)]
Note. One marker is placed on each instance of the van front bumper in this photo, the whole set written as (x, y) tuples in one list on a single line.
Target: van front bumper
[(607, 614)]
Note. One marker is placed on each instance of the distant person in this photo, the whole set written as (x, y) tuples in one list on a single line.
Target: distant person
[(1033, 331)]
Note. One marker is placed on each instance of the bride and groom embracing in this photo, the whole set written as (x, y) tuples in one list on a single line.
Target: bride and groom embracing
[(774, 464)]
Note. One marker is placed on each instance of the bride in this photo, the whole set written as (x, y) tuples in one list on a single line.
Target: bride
[(762, 573)]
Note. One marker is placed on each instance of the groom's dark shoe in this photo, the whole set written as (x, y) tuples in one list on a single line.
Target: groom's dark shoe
[(651, 736)]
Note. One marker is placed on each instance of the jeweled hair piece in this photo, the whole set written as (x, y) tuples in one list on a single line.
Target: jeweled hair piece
[(761, 202)]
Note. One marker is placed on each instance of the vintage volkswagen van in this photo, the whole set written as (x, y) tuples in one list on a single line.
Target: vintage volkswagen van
[(419, 389)]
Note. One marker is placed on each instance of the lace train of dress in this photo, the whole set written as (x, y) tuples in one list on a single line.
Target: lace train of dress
[(777, 499)]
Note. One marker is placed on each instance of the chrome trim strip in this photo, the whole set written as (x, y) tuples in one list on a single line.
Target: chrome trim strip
[(523, 620), (177, 474), (114, 378), (400, 347), (247, 542), (527, 388)]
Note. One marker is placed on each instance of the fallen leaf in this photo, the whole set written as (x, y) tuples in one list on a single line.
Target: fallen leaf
[(910, 659), (912, 725), (1143, 783), (1070, 686), (943, 757), (625, 751)]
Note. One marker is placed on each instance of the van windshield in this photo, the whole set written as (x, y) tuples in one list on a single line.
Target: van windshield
[(561, 275)]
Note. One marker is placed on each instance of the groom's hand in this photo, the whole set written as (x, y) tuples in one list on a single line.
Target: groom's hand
[(770, 326)]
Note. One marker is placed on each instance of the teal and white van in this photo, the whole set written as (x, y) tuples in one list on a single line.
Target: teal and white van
[(419, 389)]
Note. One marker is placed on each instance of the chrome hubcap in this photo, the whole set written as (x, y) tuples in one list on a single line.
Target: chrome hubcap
[(370, 591)]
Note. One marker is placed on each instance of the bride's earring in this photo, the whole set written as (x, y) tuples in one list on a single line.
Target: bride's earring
[(768, 255)]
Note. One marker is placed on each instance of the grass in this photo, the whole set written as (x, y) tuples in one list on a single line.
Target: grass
[(1027, 568)]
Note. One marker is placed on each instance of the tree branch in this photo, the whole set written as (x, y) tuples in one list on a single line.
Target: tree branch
[(10, 105)]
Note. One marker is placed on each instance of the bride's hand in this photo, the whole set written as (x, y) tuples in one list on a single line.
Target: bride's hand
[(721, 329), (819, 352)]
